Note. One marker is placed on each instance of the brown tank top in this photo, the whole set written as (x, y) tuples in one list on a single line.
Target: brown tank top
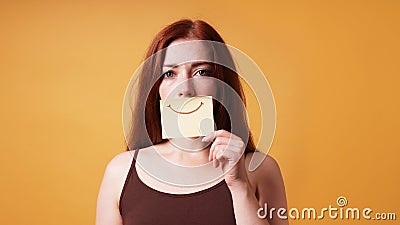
[(143, 205)]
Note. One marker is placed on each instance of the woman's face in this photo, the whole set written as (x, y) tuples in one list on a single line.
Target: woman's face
[(181, 78)]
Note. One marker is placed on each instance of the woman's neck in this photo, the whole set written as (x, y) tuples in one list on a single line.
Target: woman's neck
[(186, 151)]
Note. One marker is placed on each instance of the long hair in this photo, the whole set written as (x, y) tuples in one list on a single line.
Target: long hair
[(150, 74)]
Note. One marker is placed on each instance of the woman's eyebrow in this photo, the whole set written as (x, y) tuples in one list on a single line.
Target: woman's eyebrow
[(201, 64), (194, 64), (170, 65)]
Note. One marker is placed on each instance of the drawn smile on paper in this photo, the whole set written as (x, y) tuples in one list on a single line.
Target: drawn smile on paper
[(201, 103)]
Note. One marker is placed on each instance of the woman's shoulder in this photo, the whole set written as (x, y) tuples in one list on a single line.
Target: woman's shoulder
[(121, 160), (267, 180), (112, 183), (262, 168), (118, 167), (260, 160)]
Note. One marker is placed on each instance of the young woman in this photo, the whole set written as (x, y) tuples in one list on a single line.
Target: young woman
[(129, 195)]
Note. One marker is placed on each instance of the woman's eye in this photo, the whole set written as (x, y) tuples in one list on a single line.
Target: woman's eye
[(204, 72), (168, 74)]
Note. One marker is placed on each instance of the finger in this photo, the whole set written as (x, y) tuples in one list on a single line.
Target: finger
[(227, 159), (224, 133), (219, 133), (236, 150), (226, 141), (220, 161), (216, 163), (211, 154), (217, 150), (222, 153), (226, 151), (226, 155)]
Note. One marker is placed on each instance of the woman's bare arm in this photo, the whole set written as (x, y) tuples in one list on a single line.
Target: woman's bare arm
[(264, 187), (107, 212), (270, 189)]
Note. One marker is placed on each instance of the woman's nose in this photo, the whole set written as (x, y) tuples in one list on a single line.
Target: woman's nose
[(185, 87)]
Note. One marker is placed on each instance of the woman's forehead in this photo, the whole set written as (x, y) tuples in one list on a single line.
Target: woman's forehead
[(180, 52)]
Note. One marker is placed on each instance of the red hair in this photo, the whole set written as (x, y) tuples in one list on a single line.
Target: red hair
[(151, 70)]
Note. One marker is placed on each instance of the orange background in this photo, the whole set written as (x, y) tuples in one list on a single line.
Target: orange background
[(333, 67)]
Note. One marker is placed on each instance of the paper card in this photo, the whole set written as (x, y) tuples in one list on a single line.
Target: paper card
[(187, 117)]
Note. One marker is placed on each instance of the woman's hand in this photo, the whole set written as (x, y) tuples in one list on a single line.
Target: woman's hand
[(227, 151)]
